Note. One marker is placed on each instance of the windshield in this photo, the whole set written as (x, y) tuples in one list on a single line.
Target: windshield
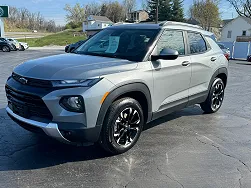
[(131, 44)]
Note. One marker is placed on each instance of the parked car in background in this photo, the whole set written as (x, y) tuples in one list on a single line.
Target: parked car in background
[(14, 42), (71, 47), (23, 46), (225, 50), (19, 45), (6, 46)]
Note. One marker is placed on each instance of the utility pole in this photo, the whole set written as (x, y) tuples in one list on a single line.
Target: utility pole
[(157, 12)]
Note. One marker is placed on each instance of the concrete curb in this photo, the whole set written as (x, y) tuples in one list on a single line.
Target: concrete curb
[(48, 48)]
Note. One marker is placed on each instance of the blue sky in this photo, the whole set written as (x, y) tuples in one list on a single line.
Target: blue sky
[(54, 9)]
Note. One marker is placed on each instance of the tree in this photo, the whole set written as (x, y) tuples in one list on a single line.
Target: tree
[(129, 6), (24, 19), (206, 12), (75, 14), (165, 10), (152, 4), (242, 7), (115, 11), (177, 11), (92, 9), (103, 9), (168, 10)]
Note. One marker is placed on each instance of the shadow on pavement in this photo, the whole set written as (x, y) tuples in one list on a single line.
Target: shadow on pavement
[(22, 150), (243, 63)]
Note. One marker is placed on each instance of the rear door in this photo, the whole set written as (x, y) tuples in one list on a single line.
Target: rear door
[(202, 63)]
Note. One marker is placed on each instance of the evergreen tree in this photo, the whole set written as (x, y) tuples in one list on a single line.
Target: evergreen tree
[(165, 10), (168, 10), (177, 11), (152, 9)]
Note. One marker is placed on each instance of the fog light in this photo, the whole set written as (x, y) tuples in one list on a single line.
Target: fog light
[(72, 103)]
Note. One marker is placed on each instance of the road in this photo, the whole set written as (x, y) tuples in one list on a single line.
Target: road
[(184, 149), (23, 35)]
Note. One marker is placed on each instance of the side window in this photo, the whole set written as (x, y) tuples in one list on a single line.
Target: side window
[(196, 43), (172, 39)]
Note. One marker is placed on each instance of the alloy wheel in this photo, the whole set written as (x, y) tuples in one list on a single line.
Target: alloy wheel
[(217, 96), (126, 127)]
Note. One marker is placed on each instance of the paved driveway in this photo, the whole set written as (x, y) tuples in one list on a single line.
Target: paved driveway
[(184, 149)]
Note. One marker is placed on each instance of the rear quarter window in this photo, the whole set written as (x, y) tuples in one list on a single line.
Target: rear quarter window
[(196, 43)]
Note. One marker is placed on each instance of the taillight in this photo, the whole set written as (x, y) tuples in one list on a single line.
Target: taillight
[(227, 56)]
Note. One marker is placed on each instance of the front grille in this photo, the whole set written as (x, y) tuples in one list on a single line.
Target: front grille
[(32, 81), (27, 105)]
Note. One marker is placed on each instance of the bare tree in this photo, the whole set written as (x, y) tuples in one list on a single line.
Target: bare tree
[(242, 7), (129, 6), (115, 11), (92, 9), (24, 19), (206, 12), (76, 13)]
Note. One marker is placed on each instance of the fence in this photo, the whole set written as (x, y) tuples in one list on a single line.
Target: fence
[(238, 50)]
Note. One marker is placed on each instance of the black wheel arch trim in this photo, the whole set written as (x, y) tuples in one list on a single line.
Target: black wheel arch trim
[(222, 70), (121, 90)]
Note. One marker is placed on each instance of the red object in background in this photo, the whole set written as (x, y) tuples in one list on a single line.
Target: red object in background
[(227, 56)]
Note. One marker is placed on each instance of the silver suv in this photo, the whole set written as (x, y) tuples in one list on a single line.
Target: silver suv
[(122, 78)]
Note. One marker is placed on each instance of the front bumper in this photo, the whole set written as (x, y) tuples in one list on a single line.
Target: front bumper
[(40, 108), (51, 129)]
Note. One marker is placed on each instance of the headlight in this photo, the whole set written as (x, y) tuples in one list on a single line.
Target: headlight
[(73, 103), (77, 83)]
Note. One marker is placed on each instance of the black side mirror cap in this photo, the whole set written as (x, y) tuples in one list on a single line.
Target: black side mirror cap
[(166, 54)]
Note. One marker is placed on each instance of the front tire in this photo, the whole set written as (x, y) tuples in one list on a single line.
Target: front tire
[(122, 126), (215, 97)]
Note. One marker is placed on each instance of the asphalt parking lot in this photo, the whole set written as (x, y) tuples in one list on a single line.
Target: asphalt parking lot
[(184, 149)]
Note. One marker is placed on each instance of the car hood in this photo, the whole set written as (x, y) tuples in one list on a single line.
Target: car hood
[(73, 66)]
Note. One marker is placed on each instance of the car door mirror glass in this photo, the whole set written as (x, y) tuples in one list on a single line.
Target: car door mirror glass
[(166, 54)]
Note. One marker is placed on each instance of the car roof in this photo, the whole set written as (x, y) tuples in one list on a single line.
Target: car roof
[(136, 26), (163, 25)]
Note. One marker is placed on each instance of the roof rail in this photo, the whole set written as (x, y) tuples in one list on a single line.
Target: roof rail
[(165, 23)]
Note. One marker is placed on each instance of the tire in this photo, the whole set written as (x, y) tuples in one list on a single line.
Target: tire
[(22, 48), (119, 133), (215, 97), (72, 49), (6, 49)]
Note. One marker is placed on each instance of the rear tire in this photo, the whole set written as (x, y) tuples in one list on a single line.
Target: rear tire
[(122, 126), (215, 97), (6, 49)]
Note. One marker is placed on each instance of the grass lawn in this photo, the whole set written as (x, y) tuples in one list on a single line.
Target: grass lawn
[(60, 39)]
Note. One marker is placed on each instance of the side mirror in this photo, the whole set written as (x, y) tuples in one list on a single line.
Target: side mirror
[(166, 54)]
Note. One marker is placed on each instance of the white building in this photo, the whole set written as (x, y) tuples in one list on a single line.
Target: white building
[(95, 24), (238, 29)]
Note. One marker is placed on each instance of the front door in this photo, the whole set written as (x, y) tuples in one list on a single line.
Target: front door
[(171, 77)]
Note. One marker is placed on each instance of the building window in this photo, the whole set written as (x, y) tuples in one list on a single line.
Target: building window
[(229, 34), (244, 33)]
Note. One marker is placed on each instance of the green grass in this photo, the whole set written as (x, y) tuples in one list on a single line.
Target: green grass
[(60, 39)]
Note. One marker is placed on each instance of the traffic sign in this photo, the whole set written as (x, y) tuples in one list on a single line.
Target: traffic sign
[(4, 11)]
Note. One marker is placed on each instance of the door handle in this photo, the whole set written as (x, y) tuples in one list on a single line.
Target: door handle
[(185, 63), (213, 58)]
